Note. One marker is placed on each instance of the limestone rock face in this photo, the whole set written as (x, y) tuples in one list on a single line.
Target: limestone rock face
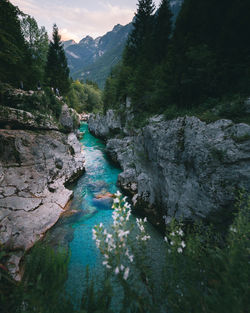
[(34, 167), (69, 119), (105, 126), (182, 168)]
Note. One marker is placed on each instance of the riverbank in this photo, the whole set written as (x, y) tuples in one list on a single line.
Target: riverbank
[(182, 168), (38, 156)]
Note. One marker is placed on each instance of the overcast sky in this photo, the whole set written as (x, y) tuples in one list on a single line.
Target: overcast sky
[(79, 18)]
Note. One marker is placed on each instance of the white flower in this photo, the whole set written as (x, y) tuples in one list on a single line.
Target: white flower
[(179, 250), (166, 239), (125, 198), (106, 256), (128, 215), (98, 242), (172, 234), (117, 270), (122, 267), (131, 258), (116, 200), (172, 243), (94, 236), (126, 273), (145, 220), (144, 238), (122, 233), (233, 229), (180, 232), (101, 225), (118, 194), (183, 244), (127, 205), (141, 227), (108, 266), (105, 262)]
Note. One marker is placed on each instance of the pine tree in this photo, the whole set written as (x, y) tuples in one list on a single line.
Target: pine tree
[(37, 42), (137, 43), (162, 30), (13, 51), (57, 71)]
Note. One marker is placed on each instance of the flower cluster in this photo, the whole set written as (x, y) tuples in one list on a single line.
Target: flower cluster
[(142, 234), (175, 239), (114, 244)]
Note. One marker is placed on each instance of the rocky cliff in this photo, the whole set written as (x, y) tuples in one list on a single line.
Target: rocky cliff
[(182, 168), (37, 157)]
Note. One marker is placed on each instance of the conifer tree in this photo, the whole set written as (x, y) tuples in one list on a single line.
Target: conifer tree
[(37, 42), (57, 71), (142, 27), (162, 30), (13, 51)]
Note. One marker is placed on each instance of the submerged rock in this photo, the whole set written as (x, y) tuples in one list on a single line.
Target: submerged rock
[(183, 168)]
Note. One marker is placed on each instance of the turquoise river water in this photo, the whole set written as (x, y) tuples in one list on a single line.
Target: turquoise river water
[(75, 232)]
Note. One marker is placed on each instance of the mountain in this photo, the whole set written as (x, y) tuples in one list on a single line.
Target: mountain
[(68, 43), (93, 59)]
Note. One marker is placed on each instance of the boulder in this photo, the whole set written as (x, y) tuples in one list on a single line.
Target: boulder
[(69, 119)]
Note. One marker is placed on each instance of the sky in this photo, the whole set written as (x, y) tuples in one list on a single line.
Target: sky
[(78, 18)]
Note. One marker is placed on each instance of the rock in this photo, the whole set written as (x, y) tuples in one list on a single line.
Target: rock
[(84, 117), (183, 168), (11, 118), (34, 168), (69, 119), (105, 127), (104, 195)]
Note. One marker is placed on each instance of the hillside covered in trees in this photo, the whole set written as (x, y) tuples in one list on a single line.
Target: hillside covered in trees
[(197, 64), (29, 61)]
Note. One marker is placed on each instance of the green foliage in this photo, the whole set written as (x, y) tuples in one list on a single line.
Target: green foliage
[(44, 102), (57, 71), (176, 70), (23, 48), (162, 31), (211, 274), (37, 41), (117, 87), (138, 39), (205, 270), (85, 97), (42, 287), (13, 51)]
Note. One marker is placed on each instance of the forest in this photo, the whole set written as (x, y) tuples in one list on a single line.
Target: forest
[(29, 61), (201, 62)]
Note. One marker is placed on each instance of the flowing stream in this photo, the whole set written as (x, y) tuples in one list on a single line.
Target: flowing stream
[(75, 232)]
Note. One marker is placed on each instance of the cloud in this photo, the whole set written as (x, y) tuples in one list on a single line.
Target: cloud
[(76, 22)]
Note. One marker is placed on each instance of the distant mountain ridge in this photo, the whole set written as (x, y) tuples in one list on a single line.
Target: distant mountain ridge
[(93, 59)]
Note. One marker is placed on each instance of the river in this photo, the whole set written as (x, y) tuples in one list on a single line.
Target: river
[(75, 232)]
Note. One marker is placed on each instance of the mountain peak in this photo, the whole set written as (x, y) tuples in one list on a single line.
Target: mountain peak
[(86, 40), (117, 28), (68, 43)]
